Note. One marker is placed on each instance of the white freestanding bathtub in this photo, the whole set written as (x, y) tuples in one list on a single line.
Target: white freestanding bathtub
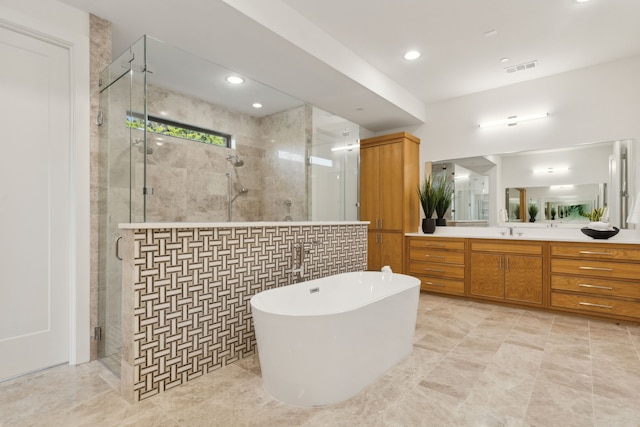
[(322, 341)]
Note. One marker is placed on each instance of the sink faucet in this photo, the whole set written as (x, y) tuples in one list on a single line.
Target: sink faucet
[(504, 233)]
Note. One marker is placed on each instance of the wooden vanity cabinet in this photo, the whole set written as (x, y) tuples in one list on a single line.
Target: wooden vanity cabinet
[(507, 271), (598, 279), (439, 263), (389, 178)]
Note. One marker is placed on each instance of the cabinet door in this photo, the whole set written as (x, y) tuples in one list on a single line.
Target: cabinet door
[(391, 175), (373, 250), (523, 278), (487, 278), (391, 251), (370, 186)]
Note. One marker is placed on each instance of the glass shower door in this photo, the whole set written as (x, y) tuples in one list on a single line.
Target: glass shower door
[(121, 178)]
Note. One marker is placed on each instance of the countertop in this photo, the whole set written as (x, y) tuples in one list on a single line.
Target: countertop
[(530, 233), (149, 225)]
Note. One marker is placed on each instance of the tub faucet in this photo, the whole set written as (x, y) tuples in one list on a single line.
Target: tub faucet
[(299, 250)]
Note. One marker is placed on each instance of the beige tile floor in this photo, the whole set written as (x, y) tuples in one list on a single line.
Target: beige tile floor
[(473, 364)]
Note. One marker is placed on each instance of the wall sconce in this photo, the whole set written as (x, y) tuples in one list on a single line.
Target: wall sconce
[(561, 169), (514, 120)]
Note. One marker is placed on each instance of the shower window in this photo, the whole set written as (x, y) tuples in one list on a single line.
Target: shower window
[(161, 126)]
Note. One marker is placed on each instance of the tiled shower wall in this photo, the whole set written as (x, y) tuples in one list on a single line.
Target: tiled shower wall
[(186, 293)]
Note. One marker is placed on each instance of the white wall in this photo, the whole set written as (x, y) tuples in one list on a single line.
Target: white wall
[(598, 103)]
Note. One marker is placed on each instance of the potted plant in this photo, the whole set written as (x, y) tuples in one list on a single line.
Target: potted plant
[(428, 202), (443, 189), (553, 213), (595, 215), (533, 211), (516, 211)]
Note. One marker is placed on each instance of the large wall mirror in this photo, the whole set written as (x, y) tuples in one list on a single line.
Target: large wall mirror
[(187, 140), (549, 187)]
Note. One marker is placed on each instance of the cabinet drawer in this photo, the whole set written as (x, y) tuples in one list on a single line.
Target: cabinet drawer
[(426, 254), (441, 244), (588, 285), (593, 304), (507, 247), (599, 252), (445, 286), (436, 270), (612, 270)]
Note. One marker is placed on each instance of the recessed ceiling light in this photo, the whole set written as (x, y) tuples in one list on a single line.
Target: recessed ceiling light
[(582, 1), (411, 55), (235, 80), (503, 60), (256, 105)]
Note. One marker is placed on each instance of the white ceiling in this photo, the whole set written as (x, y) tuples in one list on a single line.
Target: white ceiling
[(346, 56)]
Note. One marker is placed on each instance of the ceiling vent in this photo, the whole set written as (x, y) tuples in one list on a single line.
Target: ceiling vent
[(521, 67)]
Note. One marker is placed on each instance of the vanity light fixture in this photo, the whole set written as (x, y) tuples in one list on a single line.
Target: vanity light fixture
[(346, 147), (514, 120), (561, 187), (235, 80), (560, 169)]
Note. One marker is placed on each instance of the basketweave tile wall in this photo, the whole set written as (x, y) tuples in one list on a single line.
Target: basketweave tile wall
[(192, 288)]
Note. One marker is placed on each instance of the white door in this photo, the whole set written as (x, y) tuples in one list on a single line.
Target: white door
[(35, 182)]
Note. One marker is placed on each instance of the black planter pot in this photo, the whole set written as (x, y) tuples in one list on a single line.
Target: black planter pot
[(428, 225), (440, 222), (532, 220)]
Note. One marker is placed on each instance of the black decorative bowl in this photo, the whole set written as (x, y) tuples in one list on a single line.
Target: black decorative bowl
[(597, 234)]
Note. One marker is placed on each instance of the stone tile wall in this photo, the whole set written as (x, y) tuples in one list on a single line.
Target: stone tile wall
[(186, 293)]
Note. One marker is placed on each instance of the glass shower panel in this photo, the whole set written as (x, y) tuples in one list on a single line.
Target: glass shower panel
[(121, 147), (333, 162)]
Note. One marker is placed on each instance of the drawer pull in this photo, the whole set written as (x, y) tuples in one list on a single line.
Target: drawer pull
[(434, 269), (434, 256), (434, 284), (588, 304), (585, 285), (594, 253), (596, 268), (439, 245)]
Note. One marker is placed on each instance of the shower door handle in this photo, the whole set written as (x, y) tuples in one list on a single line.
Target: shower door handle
[(118, 247)]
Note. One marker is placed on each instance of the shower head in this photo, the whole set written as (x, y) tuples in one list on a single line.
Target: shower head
[(235, 161)]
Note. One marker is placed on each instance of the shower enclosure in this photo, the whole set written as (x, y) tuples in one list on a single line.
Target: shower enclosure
[(179, 143)]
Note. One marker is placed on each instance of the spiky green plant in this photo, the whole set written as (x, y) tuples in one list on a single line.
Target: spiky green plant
[(427, 197), (595, 215), (443, 190)]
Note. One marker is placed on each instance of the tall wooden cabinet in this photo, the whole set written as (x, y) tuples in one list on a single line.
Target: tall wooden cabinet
[(389, 178)]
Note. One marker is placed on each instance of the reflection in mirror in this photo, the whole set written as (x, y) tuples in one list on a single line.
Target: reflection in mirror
[(470, 204), (559, 185), (186, 121), (556, 204)]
